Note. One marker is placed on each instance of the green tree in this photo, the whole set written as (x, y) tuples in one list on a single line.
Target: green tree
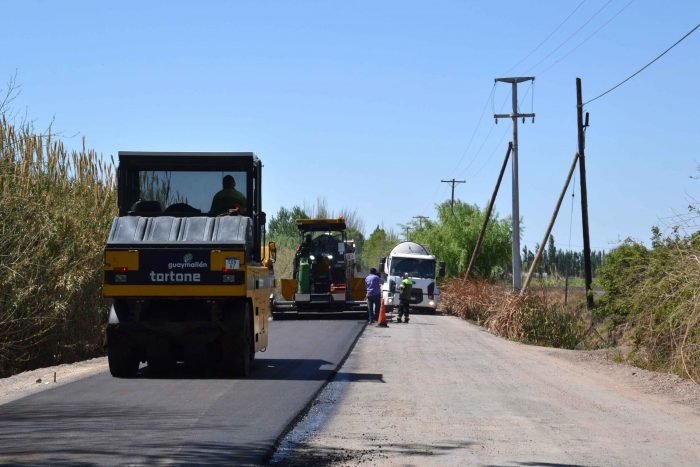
[(378, 245), (453, 236), (282, 226), (551, 256)]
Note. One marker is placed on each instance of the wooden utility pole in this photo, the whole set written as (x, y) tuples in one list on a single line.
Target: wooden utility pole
[(453, 182), (420, 220), (584, 192), (487, 215), (549, 227), (515, 115), (405, 234)]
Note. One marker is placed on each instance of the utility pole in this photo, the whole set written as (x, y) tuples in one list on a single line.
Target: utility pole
[(531, 272), (516, 191), (405, 230), (420, 220), (584, 192), (453, 182)]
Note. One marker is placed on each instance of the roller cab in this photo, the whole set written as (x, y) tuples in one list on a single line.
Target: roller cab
[(185, 263)]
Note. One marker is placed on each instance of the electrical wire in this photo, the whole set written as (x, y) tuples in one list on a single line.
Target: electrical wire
[(473, 159), (546, 38), (483, 143), (644, 67), (586, 39), (503, 136), (469, 144), (571, 35), (476, 128)]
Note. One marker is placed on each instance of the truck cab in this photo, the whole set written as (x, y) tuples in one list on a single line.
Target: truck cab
[(185, 262)]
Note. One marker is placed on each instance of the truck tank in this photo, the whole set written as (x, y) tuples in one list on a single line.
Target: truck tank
[(409, 248)]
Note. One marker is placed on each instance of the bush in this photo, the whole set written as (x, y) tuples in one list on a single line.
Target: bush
[(56, 208), (533, 319), (652, 302)]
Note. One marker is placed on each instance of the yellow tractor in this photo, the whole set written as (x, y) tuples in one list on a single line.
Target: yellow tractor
[(186, 264)]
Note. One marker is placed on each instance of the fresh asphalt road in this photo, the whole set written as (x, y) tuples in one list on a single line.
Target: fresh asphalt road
[(180, 419)]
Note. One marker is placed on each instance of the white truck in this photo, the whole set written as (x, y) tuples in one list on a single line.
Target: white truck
[(414, 259)]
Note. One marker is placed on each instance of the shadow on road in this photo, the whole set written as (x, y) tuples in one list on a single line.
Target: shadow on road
[(319, 315), (287, 369), (82, 435)]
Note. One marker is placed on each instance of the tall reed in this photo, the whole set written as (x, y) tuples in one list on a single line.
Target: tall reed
[(56, 208)]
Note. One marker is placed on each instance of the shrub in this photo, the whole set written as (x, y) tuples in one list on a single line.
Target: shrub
[(652, 301)]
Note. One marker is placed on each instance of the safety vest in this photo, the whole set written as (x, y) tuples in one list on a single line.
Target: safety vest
[(406, 286)]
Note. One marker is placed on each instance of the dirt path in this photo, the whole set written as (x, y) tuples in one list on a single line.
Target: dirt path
[(449, 393)]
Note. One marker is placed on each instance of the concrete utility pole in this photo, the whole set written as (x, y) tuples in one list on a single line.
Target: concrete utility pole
[(453, 182), (420, 220), (516, 192), (584, 192)]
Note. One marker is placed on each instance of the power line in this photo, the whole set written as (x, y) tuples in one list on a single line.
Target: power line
[(488, 134), (586, 39), (644, 67), (476, 128), (486, 138), (570, 36), (469, 144), (499, 145), (491, 96), (545, 39)]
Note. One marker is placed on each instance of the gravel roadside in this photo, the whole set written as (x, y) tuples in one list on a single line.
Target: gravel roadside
[(440, 391), (30, 382)]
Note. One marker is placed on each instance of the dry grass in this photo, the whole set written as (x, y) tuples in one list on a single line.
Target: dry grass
[(56, 207), (539, 317)]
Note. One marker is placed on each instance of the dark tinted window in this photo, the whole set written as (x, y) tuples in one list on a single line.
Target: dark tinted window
[(414, 267)]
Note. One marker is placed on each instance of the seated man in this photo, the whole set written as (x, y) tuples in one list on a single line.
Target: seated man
[(228, 198)]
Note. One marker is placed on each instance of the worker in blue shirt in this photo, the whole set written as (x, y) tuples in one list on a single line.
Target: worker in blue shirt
[(374, 295)]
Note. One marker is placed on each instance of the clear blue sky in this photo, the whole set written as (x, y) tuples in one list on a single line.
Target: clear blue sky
[(371, 104)]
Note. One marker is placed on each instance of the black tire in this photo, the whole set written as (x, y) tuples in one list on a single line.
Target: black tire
[(122, 362), (242, 352), (161, 365)]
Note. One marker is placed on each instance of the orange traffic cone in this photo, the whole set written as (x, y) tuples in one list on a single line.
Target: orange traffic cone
[(382, 316)]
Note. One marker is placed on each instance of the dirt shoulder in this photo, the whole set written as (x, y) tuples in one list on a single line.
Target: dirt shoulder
[(440, 391), (30, 382)]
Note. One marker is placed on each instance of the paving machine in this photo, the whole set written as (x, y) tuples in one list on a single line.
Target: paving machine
[(185, 262), (324, 270)]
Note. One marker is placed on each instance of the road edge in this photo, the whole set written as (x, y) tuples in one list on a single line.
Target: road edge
[(307, 407)]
